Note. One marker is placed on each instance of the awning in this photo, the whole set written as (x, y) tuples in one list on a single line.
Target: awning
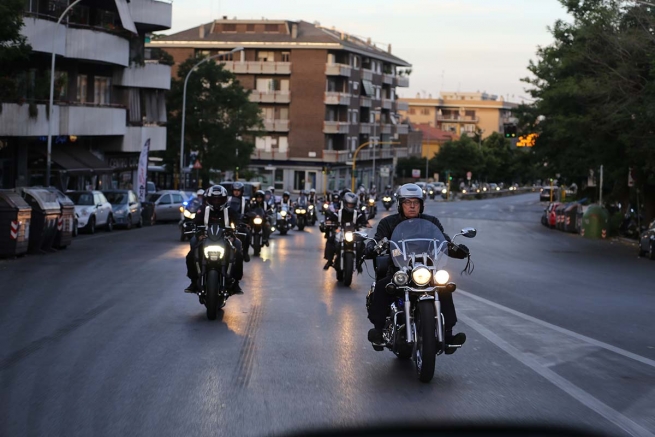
[(92, 162), (70, 164), (126, 16), (368, 88)]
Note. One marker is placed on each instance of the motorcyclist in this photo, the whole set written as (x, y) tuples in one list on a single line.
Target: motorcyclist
[(286, 201), (303, 199), (312, 196), (373, 192), (410, 205), (238, 204), (197, 201), (347, 214), (388, 191), (260, 202), (214, 210)]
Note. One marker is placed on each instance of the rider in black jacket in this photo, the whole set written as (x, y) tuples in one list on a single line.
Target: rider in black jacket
[(410, 205), (238, 204), (347, 214), (214, 210)]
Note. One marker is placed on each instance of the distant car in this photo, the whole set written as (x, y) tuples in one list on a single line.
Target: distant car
[(544, 195), (167, 204), (423, 186), (92, 210), (494, 187), (647, 242), (126, 207), (150, 187)]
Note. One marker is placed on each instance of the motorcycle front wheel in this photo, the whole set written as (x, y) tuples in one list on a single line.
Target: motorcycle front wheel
[(256, 244), (348, 263), (212, 294), (426, 341)]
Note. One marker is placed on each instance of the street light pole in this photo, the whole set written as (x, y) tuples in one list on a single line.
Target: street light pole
[(186, 81), (375, 143), (52, 98)]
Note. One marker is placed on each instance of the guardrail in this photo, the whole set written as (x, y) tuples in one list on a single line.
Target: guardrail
[(491, 194)]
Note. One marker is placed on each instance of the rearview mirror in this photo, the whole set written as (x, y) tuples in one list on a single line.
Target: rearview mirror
[(469, 232), (361, 234)]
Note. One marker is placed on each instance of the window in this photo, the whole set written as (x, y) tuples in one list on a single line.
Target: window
[(268, 113), (271, 28), (102, 90), (265, 56), (354, 116), (425, 111), (283, 114), (412, 111), (299, 180), (165, 199), (331, 59), (80, 15), (286, 57), (279, 179), (82, 88), (177, 198), (229, 27), (61, 85), (106, 19)]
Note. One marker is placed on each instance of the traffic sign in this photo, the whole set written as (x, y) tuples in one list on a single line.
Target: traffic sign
[(197, 165), (416, 173), (468, 175)]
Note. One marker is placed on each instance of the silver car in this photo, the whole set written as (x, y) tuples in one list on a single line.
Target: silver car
[(126, 206), (167, 204)]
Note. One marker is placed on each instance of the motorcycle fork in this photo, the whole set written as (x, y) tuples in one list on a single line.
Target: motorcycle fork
[(408, 324)]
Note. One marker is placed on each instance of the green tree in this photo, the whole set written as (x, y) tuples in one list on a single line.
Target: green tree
[(498, 155), (14, 49), (459, 156), (221, 122)]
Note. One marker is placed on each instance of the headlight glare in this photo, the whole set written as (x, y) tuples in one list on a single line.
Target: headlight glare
[(298, 211), (283, 213), (349, 236), (444, 191), (421, 275), (441, 277), (257, 220), (214, 252)]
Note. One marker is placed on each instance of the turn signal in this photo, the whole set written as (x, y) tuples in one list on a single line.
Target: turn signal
[(441, 277)]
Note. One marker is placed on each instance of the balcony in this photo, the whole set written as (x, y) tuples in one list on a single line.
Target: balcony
[(136, 136), (335, 98), (258, 67), (92, 120), (367, 74), (455, 118), (338, 70), (276, 125), (16, 122), (387, 104), (365, 102), (76, 42), (270, 155), (402, 81), (270, 96), (156, 15), (150, 75), (402, 129), (386, 129), (336, 127), (366, 154), (402, 106), (337, 156), (388, 79)]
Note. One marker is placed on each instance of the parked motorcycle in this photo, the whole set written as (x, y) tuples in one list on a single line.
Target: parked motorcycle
[(387, 201), (214, 261), (414, 326)]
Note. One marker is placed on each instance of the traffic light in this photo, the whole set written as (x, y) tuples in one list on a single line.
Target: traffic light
[(450, 178), (510, 130)]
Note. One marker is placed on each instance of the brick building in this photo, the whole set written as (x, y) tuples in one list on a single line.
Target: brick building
[(322, 93)]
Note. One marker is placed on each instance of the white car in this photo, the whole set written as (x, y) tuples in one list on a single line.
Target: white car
[(92, 210)]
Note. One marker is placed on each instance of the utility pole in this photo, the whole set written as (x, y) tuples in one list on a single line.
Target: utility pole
[(426, 169), (600, 187)]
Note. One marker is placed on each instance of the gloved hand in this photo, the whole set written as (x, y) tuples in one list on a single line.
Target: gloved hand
[(369, 250), (458, 251)]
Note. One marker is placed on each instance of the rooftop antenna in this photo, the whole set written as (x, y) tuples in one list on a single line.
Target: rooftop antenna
[(443, 72)]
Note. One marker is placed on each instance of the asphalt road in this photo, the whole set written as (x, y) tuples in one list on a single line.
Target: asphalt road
[(99, 339)]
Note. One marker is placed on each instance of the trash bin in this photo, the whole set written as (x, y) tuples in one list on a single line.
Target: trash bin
[(595, 222), (560, 220), (570, 217), (147, 212), (45, 217), (66, 222), (15, 215)]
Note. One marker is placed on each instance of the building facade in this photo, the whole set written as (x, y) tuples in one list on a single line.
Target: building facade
[(108, 100), (322, 94), (432, 138), (461, 113)]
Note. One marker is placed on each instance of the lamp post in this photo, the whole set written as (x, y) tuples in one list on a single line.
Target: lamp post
[(354, 166), (186, 81), (52, 91), (374, 143)]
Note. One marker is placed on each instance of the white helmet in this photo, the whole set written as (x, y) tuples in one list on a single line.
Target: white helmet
[(200, 192), (217, 197)]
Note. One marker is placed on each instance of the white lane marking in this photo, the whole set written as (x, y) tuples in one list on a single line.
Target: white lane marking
[(561, 330), (572, 390)]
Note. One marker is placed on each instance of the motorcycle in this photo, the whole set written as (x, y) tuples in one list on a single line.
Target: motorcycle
[(347, 242), (311, 211), (387, 201), (214, 261), (283, 220), (256, 218), (301, 216), (325, 206), (187, 215), (372, 208), (414, 326)]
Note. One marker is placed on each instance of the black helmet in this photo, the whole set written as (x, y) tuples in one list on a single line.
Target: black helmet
[(409, 191), (216, 197), (349, 201), (260, 193), (286, 194)]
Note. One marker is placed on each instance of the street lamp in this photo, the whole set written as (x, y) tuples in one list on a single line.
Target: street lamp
[(374, 143), (52, 91), (186, 81)]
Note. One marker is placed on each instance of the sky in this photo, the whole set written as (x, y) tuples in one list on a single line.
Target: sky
[(453, 45)]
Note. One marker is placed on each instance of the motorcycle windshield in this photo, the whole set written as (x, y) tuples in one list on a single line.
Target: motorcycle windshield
[(214, 232), (257, 211), (418, 237)]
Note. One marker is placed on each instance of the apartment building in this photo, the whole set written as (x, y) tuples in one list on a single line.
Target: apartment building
[(461, 113), (432, 138), (108, 101), (322, 93)]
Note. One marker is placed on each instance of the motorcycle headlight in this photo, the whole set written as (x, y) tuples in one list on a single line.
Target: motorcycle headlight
[(257, 220), (311, 207), (421, 275), (497, 188), (298, 211), (325, 206), (232, 225), (349, 236), (444, 191), (400, 278), (387, 199), (371, 201), (463, 191), (303, 211), (188, 214), (181, 209), (283, 213), (431, 192), (214, 252), (272, 228), (484, 189), (441, 277)]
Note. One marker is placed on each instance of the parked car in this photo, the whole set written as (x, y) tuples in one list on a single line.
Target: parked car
[(647, 242), (167, 204), (544, 195), (92, 210), (549, 217), (126, 208)]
